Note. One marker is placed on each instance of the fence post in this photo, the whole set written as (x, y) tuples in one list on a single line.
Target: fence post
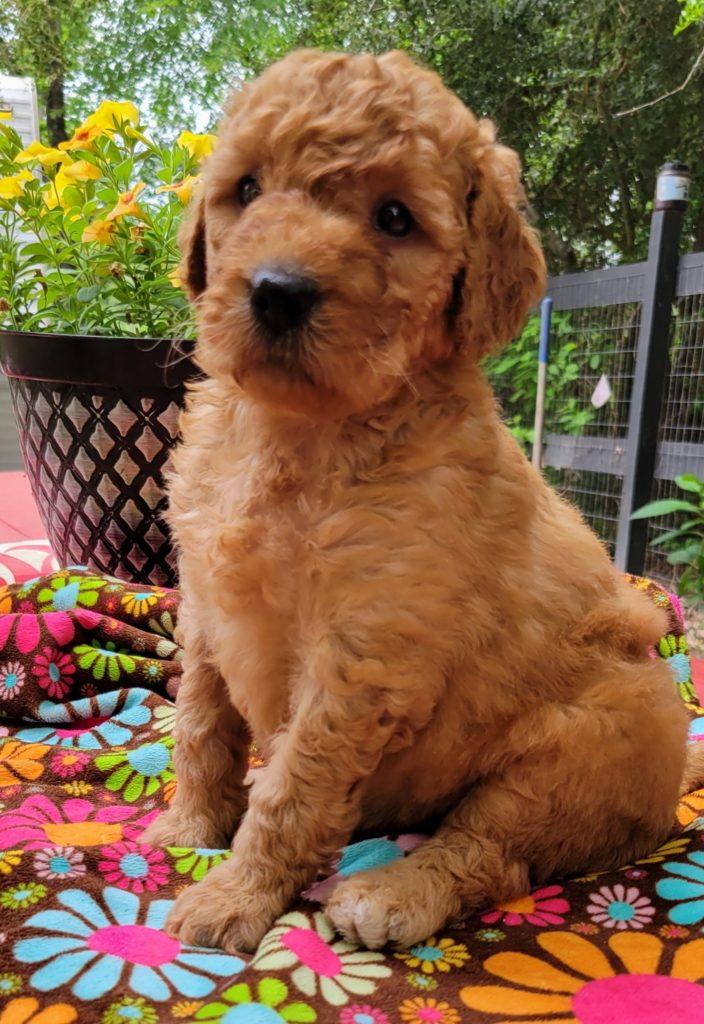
[(543, 356), (652, 361)]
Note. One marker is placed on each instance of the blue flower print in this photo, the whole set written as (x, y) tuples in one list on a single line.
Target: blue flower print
[(687, 888), (91, 723), (367, 854), (104, 946)]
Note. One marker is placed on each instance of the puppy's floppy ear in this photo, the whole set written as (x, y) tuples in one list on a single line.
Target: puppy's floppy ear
[(505, 272), (191, 239)]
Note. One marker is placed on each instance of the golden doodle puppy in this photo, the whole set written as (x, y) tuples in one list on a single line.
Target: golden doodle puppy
[(377, 586)]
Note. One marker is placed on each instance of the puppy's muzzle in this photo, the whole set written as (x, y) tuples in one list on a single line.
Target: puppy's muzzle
[(282, 300)]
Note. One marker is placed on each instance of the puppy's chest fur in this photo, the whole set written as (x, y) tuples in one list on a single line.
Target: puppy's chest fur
[(262, 530)]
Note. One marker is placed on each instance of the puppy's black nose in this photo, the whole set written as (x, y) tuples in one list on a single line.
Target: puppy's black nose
[(282, 300)]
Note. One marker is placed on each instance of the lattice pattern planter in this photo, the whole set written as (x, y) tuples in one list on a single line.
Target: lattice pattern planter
[(97, 418)]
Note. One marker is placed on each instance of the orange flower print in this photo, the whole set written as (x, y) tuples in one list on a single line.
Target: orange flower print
[(576, 982), (427, 1011), (21, 761)]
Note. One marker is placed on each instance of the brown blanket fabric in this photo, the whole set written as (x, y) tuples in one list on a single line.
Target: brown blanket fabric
[(88, 672)]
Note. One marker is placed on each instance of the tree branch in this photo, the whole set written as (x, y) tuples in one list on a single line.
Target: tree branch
[(651, 103)]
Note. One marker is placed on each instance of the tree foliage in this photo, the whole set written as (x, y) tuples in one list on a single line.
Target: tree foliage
[(554, 74)]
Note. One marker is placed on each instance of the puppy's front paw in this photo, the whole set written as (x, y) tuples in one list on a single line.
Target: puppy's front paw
[(217, 913), (171, 829), (377, 908)]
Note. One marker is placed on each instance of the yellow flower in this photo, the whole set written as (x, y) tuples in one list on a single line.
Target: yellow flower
[(82, 138), (9, 859), (14, 185), (186, 1008), (126, 205), (139, 604), (672, 848), (100, 231), (5, 115), (110, 114), (588, 982), (81, 170), (53, 192), (181, 189), (46, 155), (77, 788), (175, 278), (435, 955), (198, 146)]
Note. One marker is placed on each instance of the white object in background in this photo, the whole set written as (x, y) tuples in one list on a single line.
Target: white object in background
[(19, 96), (602, 392)]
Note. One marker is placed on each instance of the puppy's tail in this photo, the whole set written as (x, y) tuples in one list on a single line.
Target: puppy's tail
[(693, 777)]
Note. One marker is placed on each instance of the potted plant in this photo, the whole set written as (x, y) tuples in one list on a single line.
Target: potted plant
[(94, 331)]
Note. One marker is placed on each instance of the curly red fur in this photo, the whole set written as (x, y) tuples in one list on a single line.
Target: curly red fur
[(377, 585)]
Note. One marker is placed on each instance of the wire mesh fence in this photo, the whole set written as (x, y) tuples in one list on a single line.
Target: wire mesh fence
[(595, 333)]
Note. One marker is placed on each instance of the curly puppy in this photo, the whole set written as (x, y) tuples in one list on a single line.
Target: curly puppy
[(378, 587)]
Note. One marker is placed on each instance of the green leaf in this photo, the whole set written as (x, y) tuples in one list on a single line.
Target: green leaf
[(664, 508), (87, 294), (665, 538), (689, 482)]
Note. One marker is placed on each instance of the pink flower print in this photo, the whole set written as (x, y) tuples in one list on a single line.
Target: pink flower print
[(540, 907), (134, 867), (68, 763), (54, 672), (12, 679), (620, 907), (38, 823), (27, 631), (363, 1015), (59, 862)]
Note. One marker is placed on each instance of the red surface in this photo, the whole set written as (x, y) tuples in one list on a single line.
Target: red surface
[(698, 676), (19, 519)]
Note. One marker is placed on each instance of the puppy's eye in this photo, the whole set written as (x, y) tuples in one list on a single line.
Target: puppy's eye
[(248, 189), (393, 218)]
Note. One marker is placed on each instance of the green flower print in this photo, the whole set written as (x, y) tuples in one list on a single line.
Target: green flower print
[(490, 934), (130, 1011), (272, 996), (19, 897), (141, 772), (422, 982), (64, 593), (9, 984), (104, 659), (674, 650), (196, 862)]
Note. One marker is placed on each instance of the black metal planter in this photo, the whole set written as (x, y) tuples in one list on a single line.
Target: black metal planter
[(97, 418)]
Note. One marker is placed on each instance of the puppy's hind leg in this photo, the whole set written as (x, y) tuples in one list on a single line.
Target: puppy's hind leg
[(210, 758), (461, 867), (587, 793)]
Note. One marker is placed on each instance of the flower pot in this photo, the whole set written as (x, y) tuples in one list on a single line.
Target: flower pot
[(97, 418)]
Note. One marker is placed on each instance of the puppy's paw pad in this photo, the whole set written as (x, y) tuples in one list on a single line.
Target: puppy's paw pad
[(366, 914)]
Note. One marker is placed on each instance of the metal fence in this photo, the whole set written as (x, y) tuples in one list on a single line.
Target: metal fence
[(641, 327)]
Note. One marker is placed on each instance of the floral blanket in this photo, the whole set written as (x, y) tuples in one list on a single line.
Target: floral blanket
[(88, 670)]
